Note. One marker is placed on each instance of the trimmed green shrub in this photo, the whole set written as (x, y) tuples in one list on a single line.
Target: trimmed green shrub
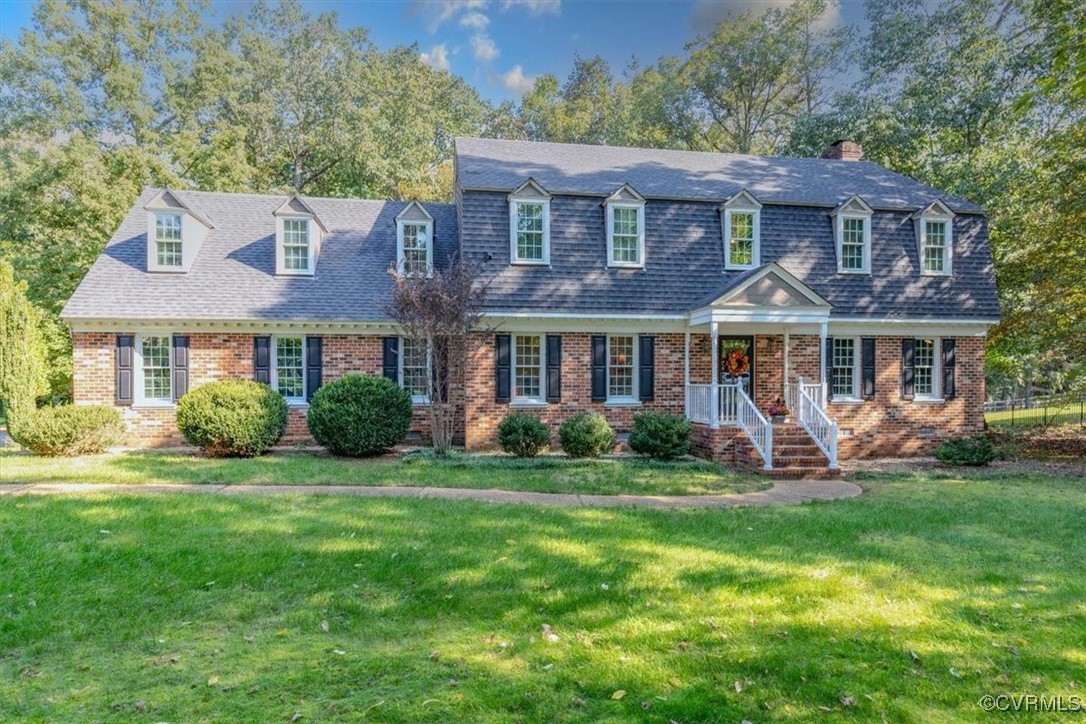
[(360, 415), (974, 451), (523, 434), (232, 418), (67, 430), (664, 437), (586, 435)]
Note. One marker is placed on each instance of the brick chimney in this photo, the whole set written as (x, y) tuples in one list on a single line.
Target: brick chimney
[(844, 150)]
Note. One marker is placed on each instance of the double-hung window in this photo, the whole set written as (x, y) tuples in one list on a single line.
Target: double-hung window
[(415, 369), (155, 386), (528, 368), (925, 369), (289, 368), (853, 243), (626, 235), (621, 369), (845, 369), (416, 248), (168, 240), (530, 231), (296, 244), (935, 247)]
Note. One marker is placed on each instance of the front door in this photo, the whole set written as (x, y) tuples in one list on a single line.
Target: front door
[(736, 359)]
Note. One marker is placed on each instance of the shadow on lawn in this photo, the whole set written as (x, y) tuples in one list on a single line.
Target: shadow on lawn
[(808, 604)]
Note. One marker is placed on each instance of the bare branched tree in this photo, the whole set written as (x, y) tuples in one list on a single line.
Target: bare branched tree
[(441, 311)]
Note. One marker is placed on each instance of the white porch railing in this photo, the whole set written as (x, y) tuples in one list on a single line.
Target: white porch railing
[(817, 423), (814, 389), (734, 407)]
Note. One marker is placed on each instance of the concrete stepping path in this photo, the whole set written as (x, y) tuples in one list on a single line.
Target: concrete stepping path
[(783, 492)]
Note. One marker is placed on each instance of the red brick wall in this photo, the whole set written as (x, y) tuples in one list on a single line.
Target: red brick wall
[(214, 356)]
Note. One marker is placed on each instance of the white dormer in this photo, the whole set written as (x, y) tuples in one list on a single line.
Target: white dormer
[(414, 240), (298, 235), (530, 225), (935, 238), (852, 232), (741, 218), (624, 214), (175, 233)]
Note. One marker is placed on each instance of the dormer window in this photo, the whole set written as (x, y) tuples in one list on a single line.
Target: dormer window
[(741, 217), (625, 218), (175, 232), (852, 229), (934, 232), (530, 225), (168, 247), (298, 235), (414, 240)]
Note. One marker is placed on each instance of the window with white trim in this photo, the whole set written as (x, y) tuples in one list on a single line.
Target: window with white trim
[(416, 242), (156, 371), (845, 368), (527, 368), (626, 235), (296, 244), (168, 239), (854, 243), (621, 369), (531, 231), (935, 246), (415, 368), (926, 368), (288, 368), (741, 238)]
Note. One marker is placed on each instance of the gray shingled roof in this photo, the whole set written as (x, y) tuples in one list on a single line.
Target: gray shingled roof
[(494, 165), (233, 277)]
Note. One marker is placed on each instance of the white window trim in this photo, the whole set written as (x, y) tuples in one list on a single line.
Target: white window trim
[(756, 252), (400, 254), (181, 223), (948, 246), (634, 398), (513, 258), (540, 401), (415, 399), (936, 394), (639, 206), (138, 399), (857, 372), (280, 239), (274, 355), (839, 226)]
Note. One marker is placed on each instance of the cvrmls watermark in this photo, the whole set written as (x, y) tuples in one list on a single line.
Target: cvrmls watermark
[(1031, 702)]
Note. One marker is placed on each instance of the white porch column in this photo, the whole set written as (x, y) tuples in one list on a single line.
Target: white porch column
[(714, 387), (686, 372), (822, 335), (787, 401)]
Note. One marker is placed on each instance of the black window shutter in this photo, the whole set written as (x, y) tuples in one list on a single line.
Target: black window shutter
[(313, 368), (908, 369), (554, 368), (829, 368), (948, 368), (646, 368), (867, 358), (262, 359), (123, 367), (390, 359), (599, 368), (502, 371), (180, 366)]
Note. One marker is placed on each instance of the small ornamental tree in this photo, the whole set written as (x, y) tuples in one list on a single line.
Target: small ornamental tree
[(22, 348), (441, 310)]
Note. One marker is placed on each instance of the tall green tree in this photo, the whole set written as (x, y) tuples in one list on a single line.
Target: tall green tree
[(22, 349)]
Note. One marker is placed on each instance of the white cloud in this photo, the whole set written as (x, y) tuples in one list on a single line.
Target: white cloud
[(475, 20), (437, 58), (484, 48), (441, 11), (516, 82), (707, 13), (535, 7)]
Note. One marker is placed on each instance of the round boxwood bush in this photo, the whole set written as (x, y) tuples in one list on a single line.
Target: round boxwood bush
[(523, 435), (586, 435), (973, 451), (664, 437), (360, 415), (67, 429), (232, 418)]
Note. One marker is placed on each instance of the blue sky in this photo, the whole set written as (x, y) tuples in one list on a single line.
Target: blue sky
[(500, 46)]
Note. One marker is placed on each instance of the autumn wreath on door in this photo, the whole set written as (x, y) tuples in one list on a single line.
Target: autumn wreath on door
[(736, 359)]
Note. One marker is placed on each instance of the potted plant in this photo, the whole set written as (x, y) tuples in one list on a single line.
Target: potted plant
[(777, 411)]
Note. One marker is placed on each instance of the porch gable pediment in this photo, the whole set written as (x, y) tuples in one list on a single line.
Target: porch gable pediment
[(772, 286)]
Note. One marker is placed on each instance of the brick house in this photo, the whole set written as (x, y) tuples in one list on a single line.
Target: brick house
[(620, 280)]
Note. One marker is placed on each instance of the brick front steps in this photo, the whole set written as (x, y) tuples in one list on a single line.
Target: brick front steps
[(795, 455)]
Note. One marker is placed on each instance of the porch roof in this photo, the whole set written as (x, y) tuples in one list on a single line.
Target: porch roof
[(768, 293)]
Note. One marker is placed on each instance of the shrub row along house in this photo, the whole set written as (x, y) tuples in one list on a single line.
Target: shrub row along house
[(620, 279)]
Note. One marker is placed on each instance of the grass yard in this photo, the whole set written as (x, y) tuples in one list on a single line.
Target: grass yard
[(544, 475), (906, 604), (1068, 415)]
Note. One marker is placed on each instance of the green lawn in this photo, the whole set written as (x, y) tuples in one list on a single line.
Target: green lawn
[(906, 604), (545, 475)]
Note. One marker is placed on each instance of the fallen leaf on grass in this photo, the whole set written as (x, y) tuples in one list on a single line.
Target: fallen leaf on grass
[(846, 700), (324, 625), (297, 716), (618, 694), (213, 680), (435, 655), (339, 652)]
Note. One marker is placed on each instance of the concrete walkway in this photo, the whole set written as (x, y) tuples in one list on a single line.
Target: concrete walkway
[(783, 492)]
